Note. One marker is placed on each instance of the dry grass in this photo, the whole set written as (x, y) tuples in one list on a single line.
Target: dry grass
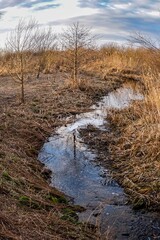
[(131, 150), (136, 151), (116, 60), (132, 147), (31, 209)]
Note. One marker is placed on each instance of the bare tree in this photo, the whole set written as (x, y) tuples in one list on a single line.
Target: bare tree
[(21, 45), (46, 42), (145, 41), (75, 40), (26, 40)]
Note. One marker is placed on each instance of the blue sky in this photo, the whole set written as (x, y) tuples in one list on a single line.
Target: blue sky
[(114, 20)]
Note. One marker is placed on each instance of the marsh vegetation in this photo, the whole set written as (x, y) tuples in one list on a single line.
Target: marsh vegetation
[(43, 85)]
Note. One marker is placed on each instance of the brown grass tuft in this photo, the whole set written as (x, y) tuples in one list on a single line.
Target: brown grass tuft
[(136, 149)]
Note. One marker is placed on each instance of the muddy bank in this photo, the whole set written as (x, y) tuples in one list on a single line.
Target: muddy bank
[(29, 201), (131, 220), (77, 174), (128, 163), (32, 209)]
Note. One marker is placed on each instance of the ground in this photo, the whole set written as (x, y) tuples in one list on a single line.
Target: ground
[(32, 209)]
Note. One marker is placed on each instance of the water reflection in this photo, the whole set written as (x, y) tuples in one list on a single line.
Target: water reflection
[(74, 171)]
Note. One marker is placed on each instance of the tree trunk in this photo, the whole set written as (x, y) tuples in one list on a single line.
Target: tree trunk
[(75, 70), (22, 90), (76, 64), (22, 78), (39, 71)]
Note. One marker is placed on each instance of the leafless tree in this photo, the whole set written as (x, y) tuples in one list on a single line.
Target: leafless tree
[(46, 42), (21, 45), (144, 41), (75, 40), (26, 40)]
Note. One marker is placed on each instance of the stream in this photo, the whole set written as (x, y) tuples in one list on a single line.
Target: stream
[(76, 173)]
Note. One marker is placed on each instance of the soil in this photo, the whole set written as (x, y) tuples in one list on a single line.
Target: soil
[(32, 209), (142, 222)]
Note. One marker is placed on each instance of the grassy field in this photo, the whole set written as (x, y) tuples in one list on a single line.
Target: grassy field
[(131, 149), (32, 209), (136, 149)]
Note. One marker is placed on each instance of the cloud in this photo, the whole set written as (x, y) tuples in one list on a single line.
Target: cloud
[(9, 3), (124, 16), (45, 7), (4, 30), (105, 3), (135, 7), (117, 20), (30, 4), (2, 13), (25, 3), (114, 20), (92, 4)]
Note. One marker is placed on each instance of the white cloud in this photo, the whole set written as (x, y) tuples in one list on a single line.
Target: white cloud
[(67, 9), (110, 18), (123, 6)]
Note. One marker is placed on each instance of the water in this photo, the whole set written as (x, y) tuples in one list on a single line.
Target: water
[(76, 174)]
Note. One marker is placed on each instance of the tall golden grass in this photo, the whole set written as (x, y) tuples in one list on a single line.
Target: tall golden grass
[(118, 57), (136, 149)]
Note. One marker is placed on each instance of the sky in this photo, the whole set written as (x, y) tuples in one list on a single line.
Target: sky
[(112, 20)]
